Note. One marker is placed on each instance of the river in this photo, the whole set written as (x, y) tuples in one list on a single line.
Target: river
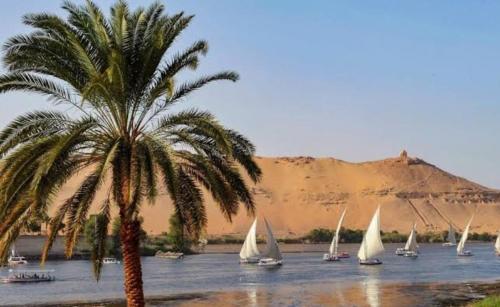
[(303, 279)]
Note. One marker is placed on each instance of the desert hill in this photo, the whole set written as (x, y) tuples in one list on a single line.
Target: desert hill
[(302, 193)]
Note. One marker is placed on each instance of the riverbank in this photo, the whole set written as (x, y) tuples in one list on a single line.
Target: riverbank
[(420, 294)]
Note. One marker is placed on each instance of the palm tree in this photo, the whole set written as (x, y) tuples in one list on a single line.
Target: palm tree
[(121, 76)]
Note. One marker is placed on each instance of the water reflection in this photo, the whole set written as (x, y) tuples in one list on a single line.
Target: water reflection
[(252, 297), (371, 286)]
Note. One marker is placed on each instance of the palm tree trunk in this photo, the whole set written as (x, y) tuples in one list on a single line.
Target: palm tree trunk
[(129, 233), (129, 229)]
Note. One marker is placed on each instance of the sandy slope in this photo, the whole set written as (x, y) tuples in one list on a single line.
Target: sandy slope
[(302, 193)]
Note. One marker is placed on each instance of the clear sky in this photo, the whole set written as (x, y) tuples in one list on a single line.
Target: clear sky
[(356, 80)]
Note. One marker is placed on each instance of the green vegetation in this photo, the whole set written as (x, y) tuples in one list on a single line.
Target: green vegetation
[(491, 301), (177, 236), (323, 235), (120, 75)]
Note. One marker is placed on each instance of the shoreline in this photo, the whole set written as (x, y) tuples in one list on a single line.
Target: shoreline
[(437, 294)]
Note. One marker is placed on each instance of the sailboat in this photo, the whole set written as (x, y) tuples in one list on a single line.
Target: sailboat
[(249, 252), (333, 254), (411, 247), (372, 242), (461, 251), (497, 244), (452, 241), (272, 255), (15, 259)]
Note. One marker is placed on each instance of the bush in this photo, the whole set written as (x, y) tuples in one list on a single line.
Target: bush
[(319, 235), (393, 237), (491, 301)]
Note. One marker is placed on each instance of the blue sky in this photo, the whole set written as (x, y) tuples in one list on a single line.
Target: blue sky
[(356, 80)]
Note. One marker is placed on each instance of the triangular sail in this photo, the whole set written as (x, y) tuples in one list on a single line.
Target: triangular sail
[(272, 249), (497, 244), (249, 248), (335, 241), (451, 235), (411, 244), (463, 239), (372, 242)]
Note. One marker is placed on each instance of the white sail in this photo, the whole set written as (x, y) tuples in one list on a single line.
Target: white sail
[(249, 248), (372, 242), (463, 239), (335, 241), (272, 249), (451, 235), (497, 244), (411, 244)]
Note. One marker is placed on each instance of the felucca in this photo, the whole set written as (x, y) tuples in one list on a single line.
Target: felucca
[(249, 252), (333, 254), (372, 242), (461, 251), (272, 255), (452, 241), (497, 244), (411, 247)]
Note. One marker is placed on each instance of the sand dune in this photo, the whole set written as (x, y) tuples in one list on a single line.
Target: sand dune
[(301, 193)]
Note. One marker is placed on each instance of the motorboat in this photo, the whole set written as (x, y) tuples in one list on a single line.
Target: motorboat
[(169, 255), (15, 260), (110, 260)]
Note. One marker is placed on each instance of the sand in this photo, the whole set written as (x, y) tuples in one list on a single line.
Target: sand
[(297, 194)]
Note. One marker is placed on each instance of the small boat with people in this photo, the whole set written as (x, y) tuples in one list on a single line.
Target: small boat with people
[(272, 255), (452, 240), (110, 260), (169, 255), (411, 246), (333, 254), (29, 276), (497, 244), (15, 260), (249, 252), (461, 251), (371, 246)]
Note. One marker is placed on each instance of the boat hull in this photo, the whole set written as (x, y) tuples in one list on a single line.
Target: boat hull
[(370, 262), (14, 263), (400, 251), (30, 280), (343, 255), (410, 254), (328, 257), (465, 254), (169, 255), (269, 262), (249, 261), (448, 244)]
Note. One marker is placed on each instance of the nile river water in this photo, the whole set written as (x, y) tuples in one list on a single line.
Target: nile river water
[(304, 279)]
